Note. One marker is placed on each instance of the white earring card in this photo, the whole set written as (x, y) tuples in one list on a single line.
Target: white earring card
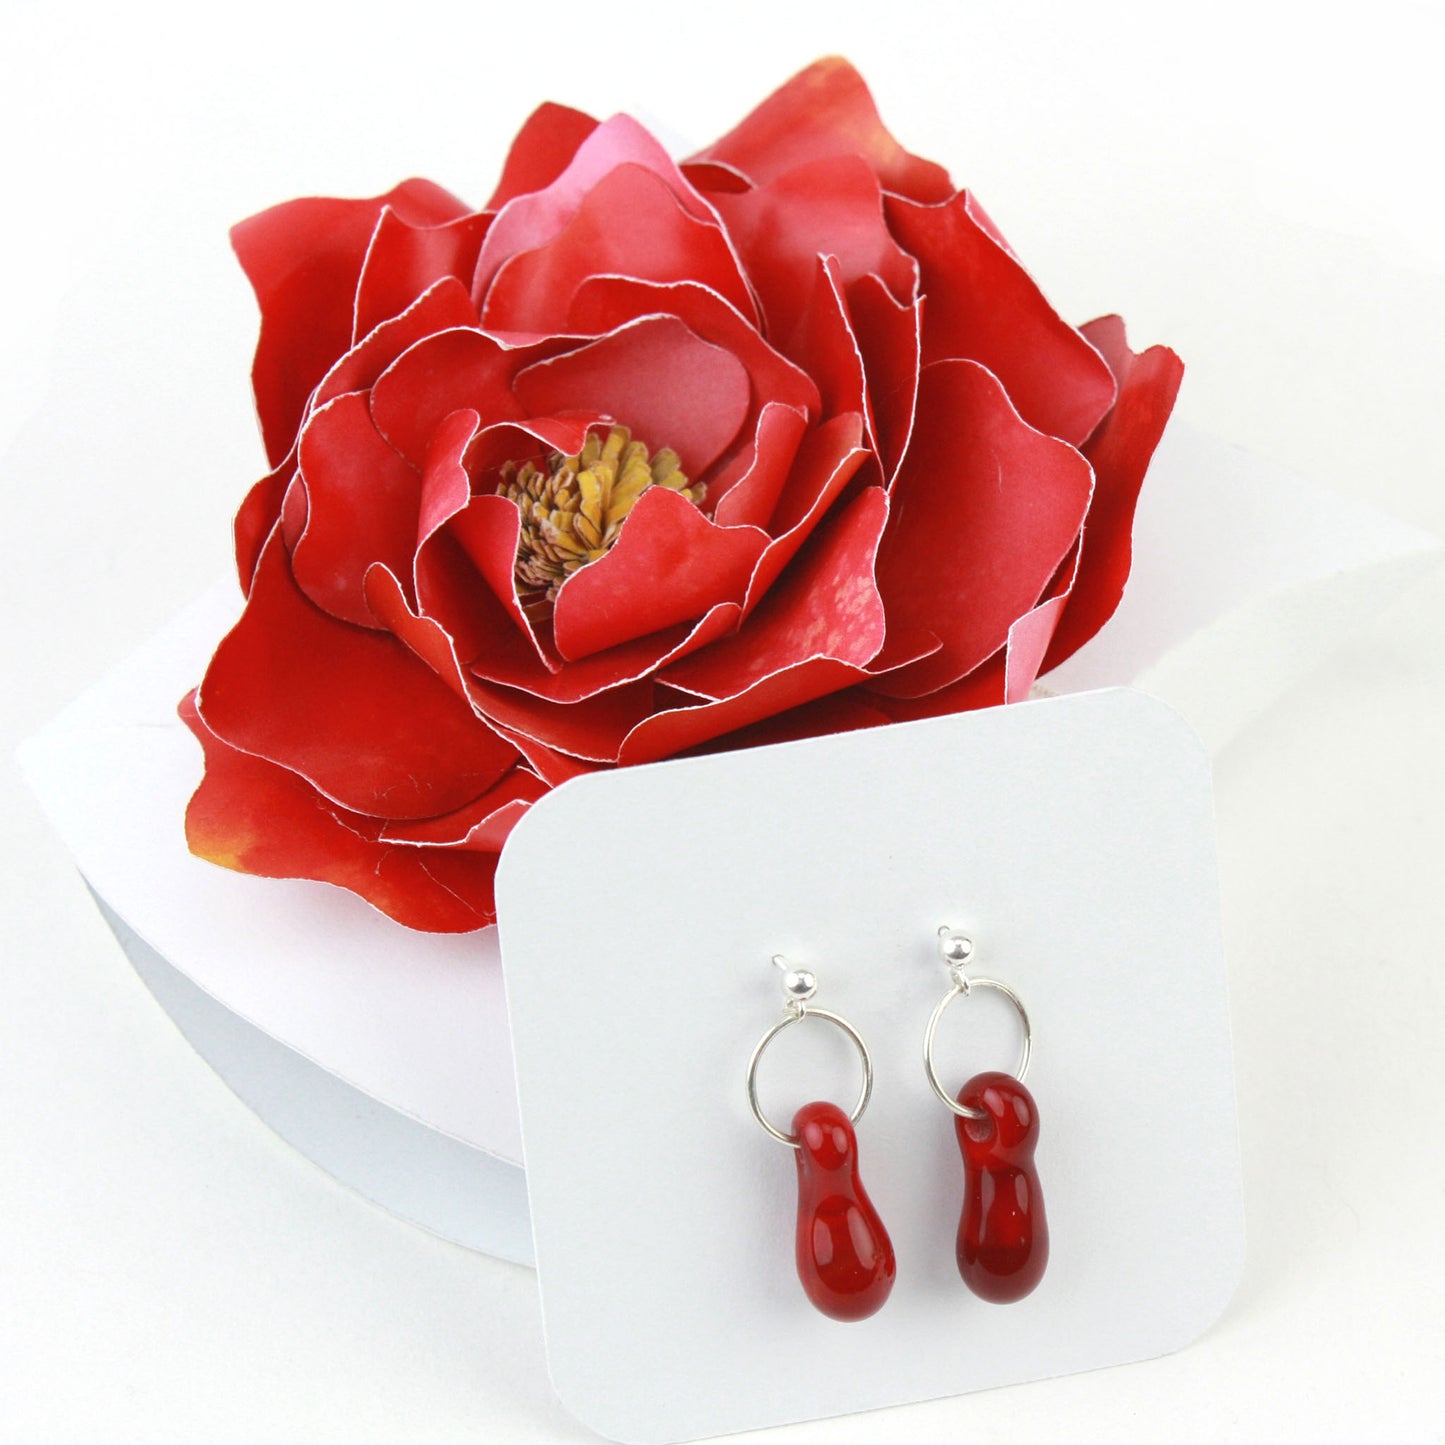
[(1072, 838)]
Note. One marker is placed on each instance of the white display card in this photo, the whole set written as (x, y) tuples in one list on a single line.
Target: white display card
[(1073, 839)]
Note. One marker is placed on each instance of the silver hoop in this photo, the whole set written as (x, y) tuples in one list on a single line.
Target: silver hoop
[(965, 986), (795, 1014)]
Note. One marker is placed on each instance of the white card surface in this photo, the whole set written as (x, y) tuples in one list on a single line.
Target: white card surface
[(1073, 838)]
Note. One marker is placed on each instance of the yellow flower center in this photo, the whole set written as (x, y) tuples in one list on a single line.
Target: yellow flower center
[(573, 509)]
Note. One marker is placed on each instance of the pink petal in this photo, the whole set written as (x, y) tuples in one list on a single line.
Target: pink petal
[(1028, 641), (529, 221), (985, 509), (543, 149), (657, 378), (981, 305), (629, 224), (604, 303), (825, 110)]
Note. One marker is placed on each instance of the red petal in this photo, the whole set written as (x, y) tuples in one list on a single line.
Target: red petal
[(444, 373), (482, 825), (826, 110), (981, 305), (354, 712), (985, 508), (764, 471), (294, 508), (678, 729), (890, 336), (607, 302), (257, 516), (712, 178), (616, 667), (629, 224), (669, 564), (827, 605), (553, 768), (362, 508), (655, 377), (827, 461), (985, 686), (465, 568), (823, 343), (405, 260), (831, 207), (603, 303), (838, 712), (255, 817), (303, 259), (591, 729), (425, 638), (1119, 451), (467, 549), (543, 149), (474, 595), (443, 307)]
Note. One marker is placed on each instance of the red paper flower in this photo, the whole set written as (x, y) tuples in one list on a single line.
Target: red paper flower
[(642, 458)]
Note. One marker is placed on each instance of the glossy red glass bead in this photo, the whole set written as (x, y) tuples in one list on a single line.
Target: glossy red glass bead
[(845, 1258), (1003, 1237)]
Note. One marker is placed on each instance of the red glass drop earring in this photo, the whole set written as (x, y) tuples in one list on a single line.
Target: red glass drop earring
[(844, 1256), (1003, 1237)]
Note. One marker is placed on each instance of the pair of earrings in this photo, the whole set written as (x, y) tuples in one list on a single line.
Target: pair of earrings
[(844, 1255)]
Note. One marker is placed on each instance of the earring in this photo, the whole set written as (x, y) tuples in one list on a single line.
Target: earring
[(1003, 1237), (844, 1256)]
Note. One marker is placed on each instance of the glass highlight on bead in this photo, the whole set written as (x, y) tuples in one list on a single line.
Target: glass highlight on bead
[(845, 1257), (1003, 1236)]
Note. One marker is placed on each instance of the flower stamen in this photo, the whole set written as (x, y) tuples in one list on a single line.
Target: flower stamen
[(574, 507)]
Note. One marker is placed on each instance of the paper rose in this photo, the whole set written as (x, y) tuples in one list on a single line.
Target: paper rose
[(641, 458)]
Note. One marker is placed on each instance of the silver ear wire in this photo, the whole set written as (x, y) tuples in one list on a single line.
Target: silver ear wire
[(799, 986), (798, 983), (956, 949)]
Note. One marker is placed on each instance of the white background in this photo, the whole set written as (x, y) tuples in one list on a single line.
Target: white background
[(1254, 184)]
